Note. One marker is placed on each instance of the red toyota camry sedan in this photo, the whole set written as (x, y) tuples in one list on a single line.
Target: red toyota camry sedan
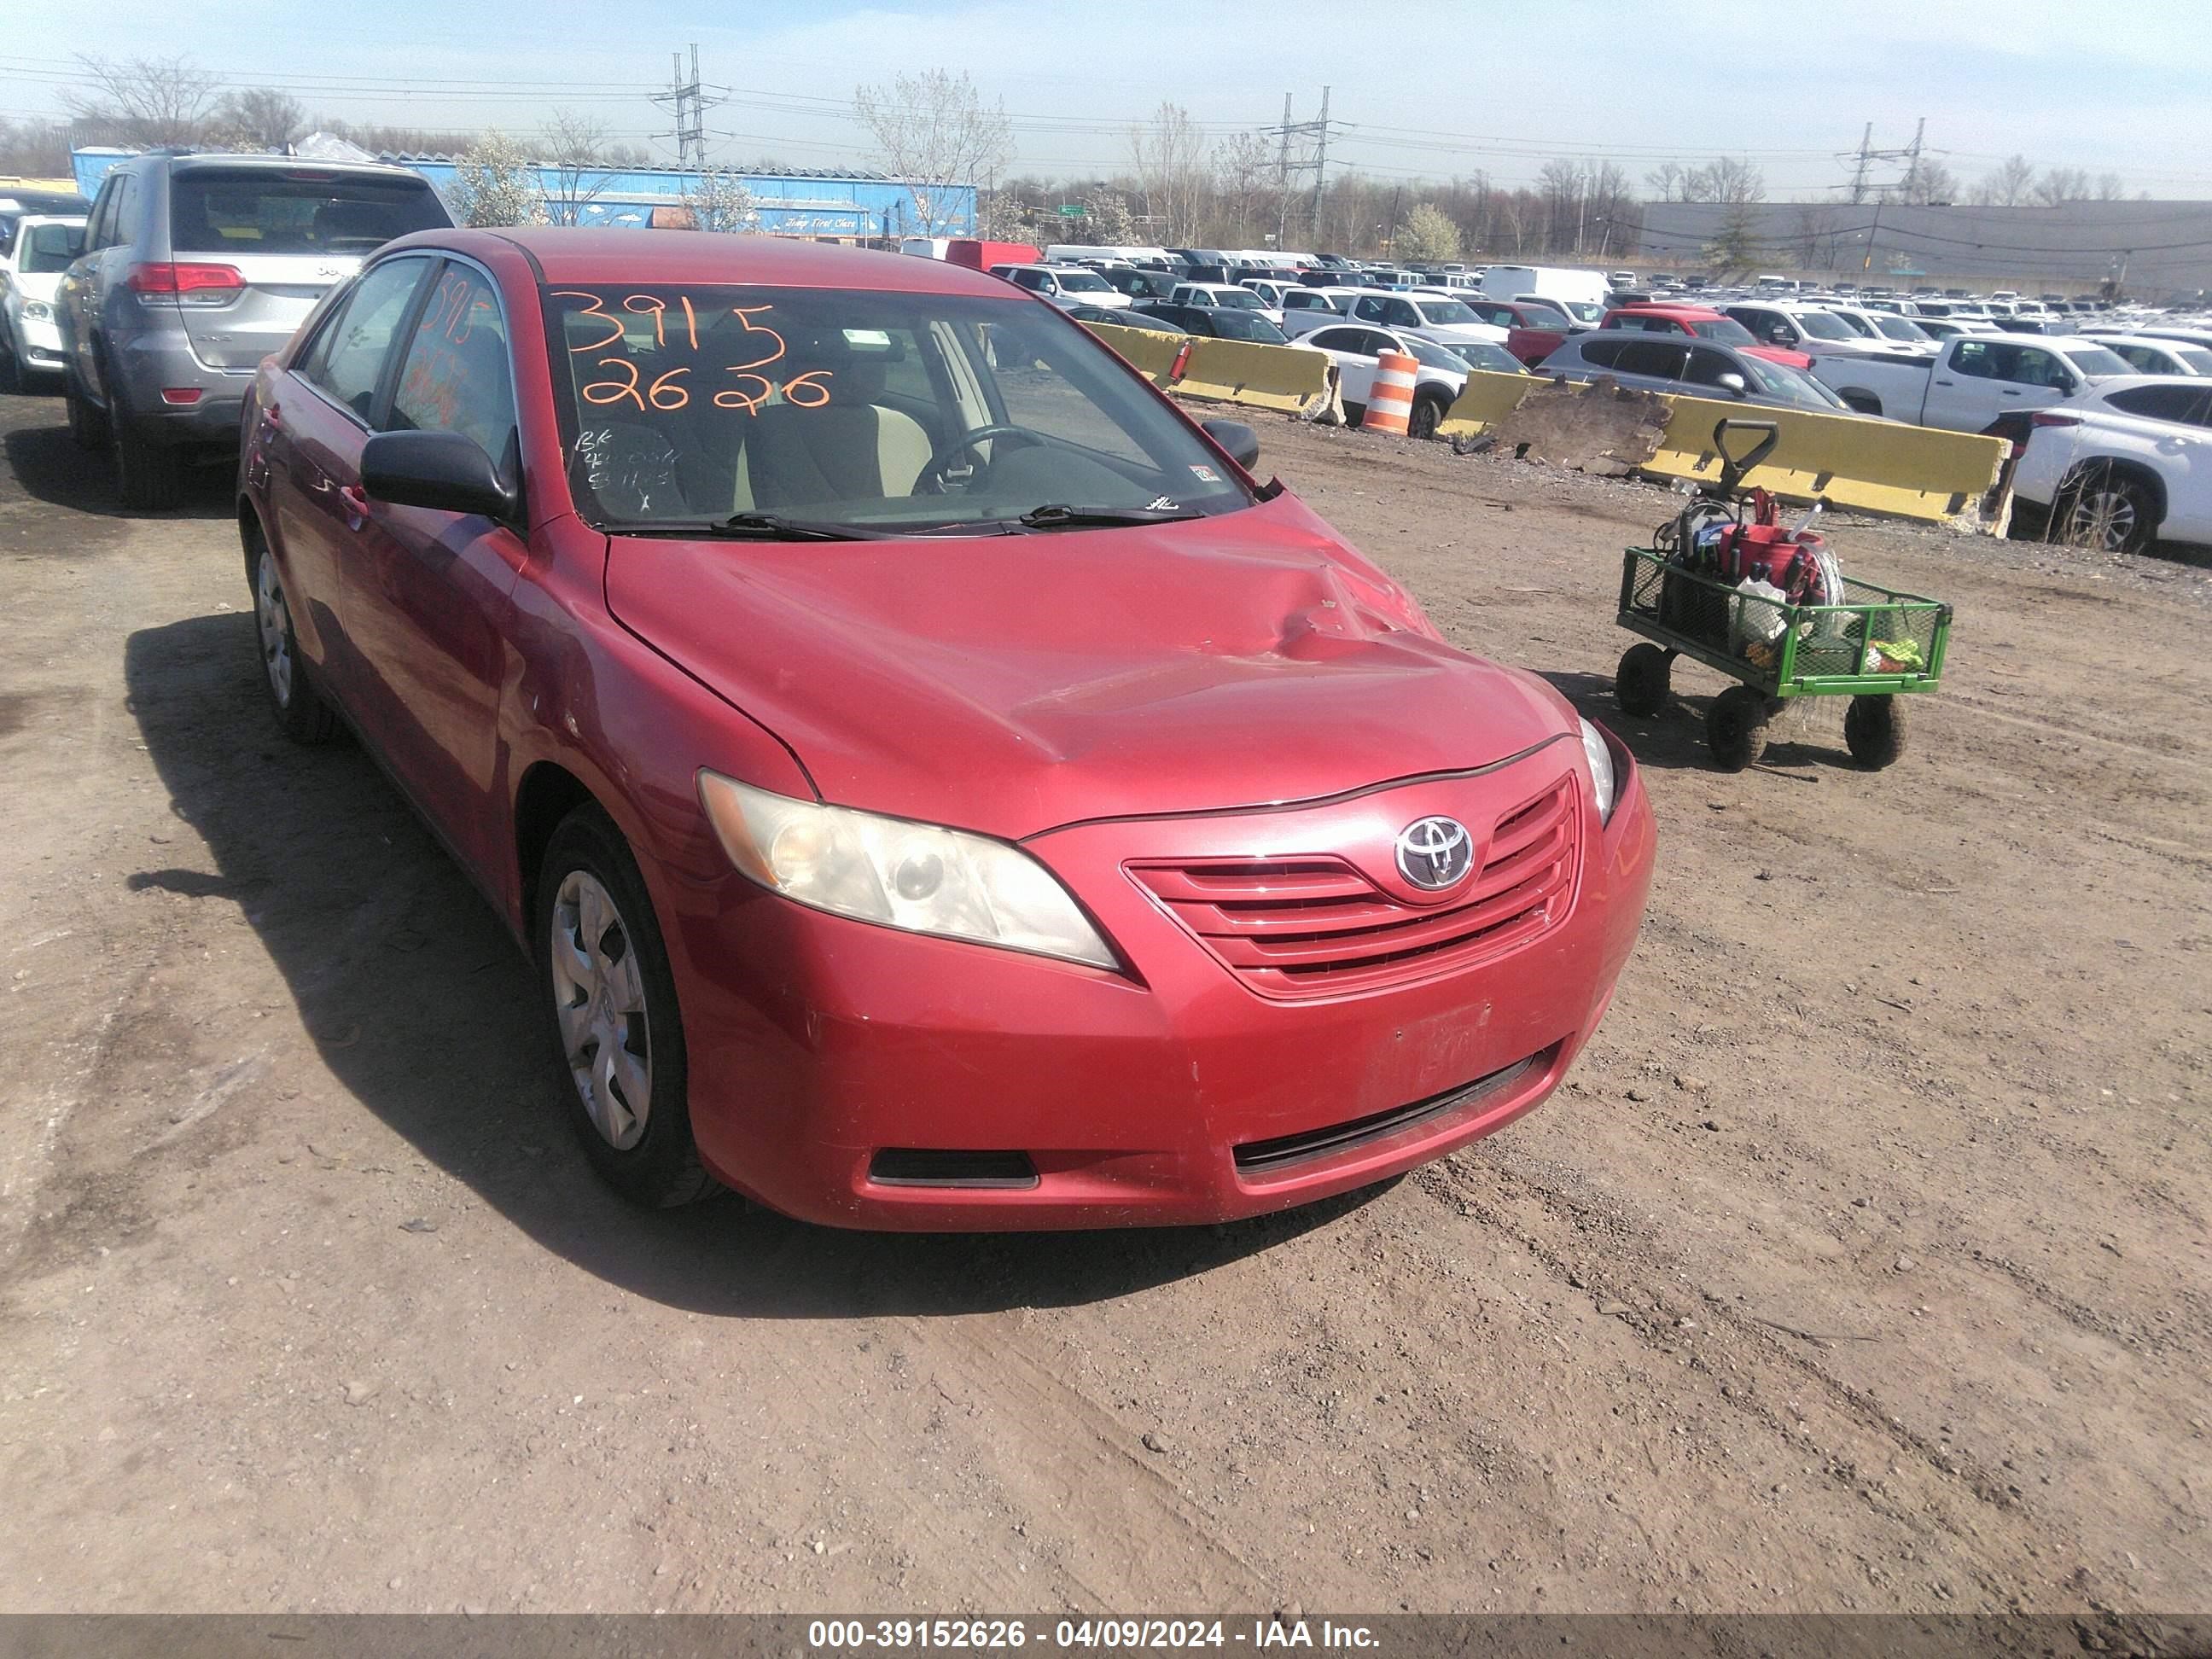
[(937, 785)]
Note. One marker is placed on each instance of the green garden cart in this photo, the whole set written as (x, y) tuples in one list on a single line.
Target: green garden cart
[(1873, 644)]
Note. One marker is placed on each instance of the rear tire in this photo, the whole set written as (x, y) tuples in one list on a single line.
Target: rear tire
[(1428, 415), (1736, 728), (2106, 511), (1642, 686), (301, 713), (148, 477), (1873, 731), (87, 425)]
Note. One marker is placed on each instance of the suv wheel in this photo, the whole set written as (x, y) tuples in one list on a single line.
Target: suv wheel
[(87, 425), (149, 477), (1428, 415)]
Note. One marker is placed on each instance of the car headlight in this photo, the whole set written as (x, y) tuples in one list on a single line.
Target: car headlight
[(917, 877), (1602, 774), (37, 311)]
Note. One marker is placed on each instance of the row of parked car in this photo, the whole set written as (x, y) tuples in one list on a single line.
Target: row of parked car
[(2109, 407)]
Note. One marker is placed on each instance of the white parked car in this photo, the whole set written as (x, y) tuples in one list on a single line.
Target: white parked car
[(2123, 464), (1065, 285), (1227, 296), (1447, 321), (1809, 328), (2146, 354), (1887, 329), (1357, 349), (30, 264), (1307, 308)]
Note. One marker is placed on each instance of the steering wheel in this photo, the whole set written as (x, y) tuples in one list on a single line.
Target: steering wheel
[(931, 479)]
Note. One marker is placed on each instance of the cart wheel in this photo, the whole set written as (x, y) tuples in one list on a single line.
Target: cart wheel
[(1873, 731), (1736, 728), (1640, 683)]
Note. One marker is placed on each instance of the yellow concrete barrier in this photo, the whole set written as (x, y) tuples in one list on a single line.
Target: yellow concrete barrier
[(1246, 372), (1148, 350), (1487, 399), (1916, 472)]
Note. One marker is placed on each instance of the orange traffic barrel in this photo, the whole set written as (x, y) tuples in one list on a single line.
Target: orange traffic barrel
[(1390, 404)]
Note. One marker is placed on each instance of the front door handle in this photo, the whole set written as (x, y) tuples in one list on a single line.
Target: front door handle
[(356, 502), (1943, 383)]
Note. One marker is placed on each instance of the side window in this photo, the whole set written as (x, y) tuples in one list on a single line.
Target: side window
[(1601, 353), (1336, 339), (2034, 367), (1707, 366), (2158, 402), (1978, 358), (1376, 344), (103, 214), (123, 228), (348, 361), (1368, 309), (455, 377), (1399, 314), (1656, 358)]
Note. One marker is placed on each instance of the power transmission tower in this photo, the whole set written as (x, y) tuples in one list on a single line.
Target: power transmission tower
[(1912, 161), (686, 100), (1312, 139), (1859, 177)]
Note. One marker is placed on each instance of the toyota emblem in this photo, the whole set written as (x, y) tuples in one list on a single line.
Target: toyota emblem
[(1435, 852)]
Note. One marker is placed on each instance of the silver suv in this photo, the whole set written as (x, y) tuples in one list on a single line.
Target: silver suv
[(195, 268)]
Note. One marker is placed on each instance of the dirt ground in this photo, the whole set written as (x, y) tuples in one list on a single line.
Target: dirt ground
[(1863, 1264)]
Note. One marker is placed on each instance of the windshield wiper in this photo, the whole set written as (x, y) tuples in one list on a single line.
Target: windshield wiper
[(762, 527), (1058, 515)]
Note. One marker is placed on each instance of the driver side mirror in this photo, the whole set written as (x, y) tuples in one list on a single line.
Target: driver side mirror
[(1238, 439), (1734, 385), (1779, 336), (443, 471)]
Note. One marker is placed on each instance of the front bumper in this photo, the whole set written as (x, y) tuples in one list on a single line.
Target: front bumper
[(38, 345), (814, 1042)]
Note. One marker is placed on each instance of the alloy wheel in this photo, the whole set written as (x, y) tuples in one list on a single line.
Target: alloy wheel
[(2102, 518), (276, 621), (598, 997)]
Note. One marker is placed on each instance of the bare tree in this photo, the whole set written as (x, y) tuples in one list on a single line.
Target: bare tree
[(2060, 186), (2008, 185), (1930, 181), (260, 117), (1168, 154), (1246, 165), (720, 203), (934, 129), (34, 148), (574, 150), (141, 100), (1666, 180), (495, 183), (2110, 187)]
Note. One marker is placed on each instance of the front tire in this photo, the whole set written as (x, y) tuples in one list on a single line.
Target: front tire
[(1642, 686), (610, 998), (1736, 728), (301, 713), (1873, 731), (1428, 415)]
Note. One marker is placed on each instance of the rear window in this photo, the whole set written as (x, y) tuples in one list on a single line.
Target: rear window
[(248, 213)]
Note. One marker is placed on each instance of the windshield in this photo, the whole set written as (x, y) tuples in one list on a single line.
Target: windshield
[(2197, 357), (49, 248), (1780, 380), (1726, 330), (1584, 311), (1444, 311), (870, 412), (1823, 325), (1481, 354), (262, 211), (1902, 328), (1236, 299), (2096, 359), (1857, 325), (1233, 324), (1083, 281), (1432, 355), (1543, 314)]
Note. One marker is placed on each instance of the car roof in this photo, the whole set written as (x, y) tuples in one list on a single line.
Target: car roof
[(225, 162), (1680, 313), (592, 255)]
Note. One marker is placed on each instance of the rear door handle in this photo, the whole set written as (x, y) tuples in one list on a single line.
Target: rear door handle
[(356, 502)]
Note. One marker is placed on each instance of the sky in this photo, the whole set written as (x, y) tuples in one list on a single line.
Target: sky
[(1431, 91)]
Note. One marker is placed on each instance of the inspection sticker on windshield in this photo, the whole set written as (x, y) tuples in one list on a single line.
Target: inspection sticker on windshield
[(1205, 474)]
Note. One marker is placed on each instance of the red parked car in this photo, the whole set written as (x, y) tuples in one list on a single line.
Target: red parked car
[(936, 785), (1533, 332), (1706, 325)]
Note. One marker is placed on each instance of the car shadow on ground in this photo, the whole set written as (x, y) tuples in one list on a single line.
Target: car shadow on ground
[(1809, 735), (51, 468), (421, 1005)]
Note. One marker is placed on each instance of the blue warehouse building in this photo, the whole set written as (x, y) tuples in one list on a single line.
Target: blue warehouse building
[(843, 205)]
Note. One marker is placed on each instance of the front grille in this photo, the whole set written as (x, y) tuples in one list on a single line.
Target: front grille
[(1266, 1157), (1316, 927)]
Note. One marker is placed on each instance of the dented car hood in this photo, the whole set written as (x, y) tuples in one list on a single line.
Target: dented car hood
[(1011, 685)]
